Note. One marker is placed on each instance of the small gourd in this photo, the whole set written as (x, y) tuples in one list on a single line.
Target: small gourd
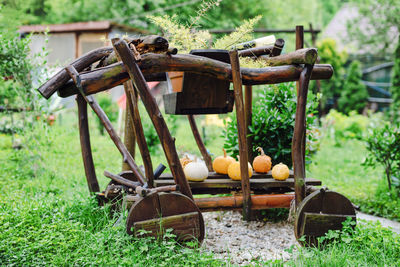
[(221, 163), (184, 161), (234, 170), (196, 171), (280, 172), (262, 163)]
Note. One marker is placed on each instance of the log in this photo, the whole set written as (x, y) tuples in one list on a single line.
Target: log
[(241, 125), (86, 149), (108, 77), (233, 202), (200, 144), (278, 46), (134, 115), (120, 180), (107, 124), (301, 56), (52, 85), (155, 115), (256, 51), (129, 131), (299, 135)]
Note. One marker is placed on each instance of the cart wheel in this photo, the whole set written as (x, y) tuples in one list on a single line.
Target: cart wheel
[(319, 212), (160, 211)]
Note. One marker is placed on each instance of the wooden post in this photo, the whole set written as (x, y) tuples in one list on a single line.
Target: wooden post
[(107, 124), (248, 99), (240, 115), (200, 144), (134, 116), (129, 131), (168, 143), (86, 149)]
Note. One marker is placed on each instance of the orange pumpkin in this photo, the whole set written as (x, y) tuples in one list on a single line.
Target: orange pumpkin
[(234, 171), (221, 163), (280, 172), (262, 163), (185, 161)]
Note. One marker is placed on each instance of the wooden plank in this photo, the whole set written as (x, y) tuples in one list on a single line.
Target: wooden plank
[(317, 224), (261, 183), (185, 226), (214, 175), (241, 125)]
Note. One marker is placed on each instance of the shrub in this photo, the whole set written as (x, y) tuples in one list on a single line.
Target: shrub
[(383, 143), (273, 123), (395, 88), (354, 95)]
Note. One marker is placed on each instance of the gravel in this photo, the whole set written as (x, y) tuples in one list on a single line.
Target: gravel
[(230, 238)]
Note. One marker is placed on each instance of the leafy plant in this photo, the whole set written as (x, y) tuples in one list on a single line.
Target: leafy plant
[(272, 123), (354, 94), (383, 144), (395, 88)]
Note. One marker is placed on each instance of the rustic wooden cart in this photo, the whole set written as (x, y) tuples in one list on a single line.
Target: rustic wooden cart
[(159, 201)]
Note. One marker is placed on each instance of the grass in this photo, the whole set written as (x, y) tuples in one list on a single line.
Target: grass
[(47, 217), (339, 168)]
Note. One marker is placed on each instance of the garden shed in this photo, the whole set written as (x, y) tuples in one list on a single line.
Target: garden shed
[(69, 41)]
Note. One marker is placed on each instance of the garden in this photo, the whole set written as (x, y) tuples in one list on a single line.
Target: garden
[(48, 216)]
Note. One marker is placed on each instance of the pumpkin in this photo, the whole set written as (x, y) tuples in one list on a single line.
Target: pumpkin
[(262, 163), (234, 171), (221, 163), (196, 171), (184, 161), (280, 172)]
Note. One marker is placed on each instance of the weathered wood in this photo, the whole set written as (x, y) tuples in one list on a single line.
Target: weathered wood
[(107, 124), (52, 85), (200, 144), (248, 99), (240, 116), (302, 56), (129, 130), (214, 175), (161, 206), (84, 137), (326, 203), (316, 224), (298, 151), (108, 77), (299, 37), (256, 51), (134, 115), (278, 47), (155, 115), (257, 202), (120, 180)]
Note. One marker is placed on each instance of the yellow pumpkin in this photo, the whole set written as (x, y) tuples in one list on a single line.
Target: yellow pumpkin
[(196, 171), (234, 171), (221, 163), (262, 163), (184, 161), (280, 172)]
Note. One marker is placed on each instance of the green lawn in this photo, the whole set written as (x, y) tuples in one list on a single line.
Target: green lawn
[(48, 218)]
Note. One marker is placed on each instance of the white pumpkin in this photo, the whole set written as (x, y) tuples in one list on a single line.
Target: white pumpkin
[(196, 171)]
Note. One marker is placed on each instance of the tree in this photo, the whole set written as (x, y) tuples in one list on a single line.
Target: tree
[(354, 94), (395, 88)]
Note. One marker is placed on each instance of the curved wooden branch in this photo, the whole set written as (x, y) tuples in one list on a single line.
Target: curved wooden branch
[(52, 85), (301, 56), (108, 77)]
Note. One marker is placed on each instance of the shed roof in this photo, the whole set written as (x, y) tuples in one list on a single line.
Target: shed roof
[(78, 27)]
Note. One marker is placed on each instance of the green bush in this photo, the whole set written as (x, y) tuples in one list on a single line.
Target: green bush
[(273, 123), (354, 94), (395, 88), (328, 54), (383, 144)]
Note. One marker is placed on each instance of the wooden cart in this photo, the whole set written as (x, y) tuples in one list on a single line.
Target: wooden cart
[(160, 201)]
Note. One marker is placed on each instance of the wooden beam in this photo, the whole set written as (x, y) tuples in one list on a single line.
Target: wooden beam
[(248, 102), (155, 114), (129, 131), (240, 116)]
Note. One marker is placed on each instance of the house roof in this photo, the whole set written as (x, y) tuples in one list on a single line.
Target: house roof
[(78, 27)]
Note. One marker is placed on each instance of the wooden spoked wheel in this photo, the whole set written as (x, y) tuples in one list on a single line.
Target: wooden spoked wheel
[(158, 212), (319, 212)]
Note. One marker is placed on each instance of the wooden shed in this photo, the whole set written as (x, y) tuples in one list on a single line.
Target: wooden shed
[(69, 41)]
